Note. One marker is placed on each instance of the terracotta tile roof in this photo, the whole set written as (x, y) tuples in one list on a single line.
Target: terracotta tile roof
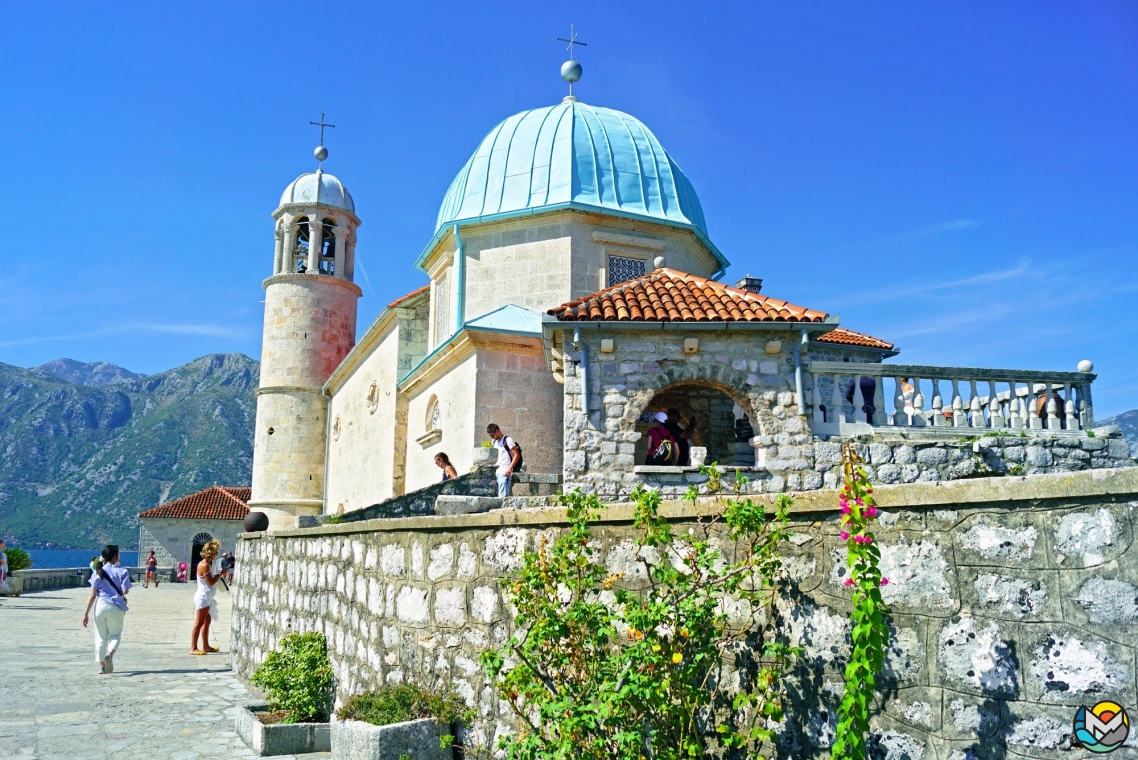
[(851, 338), (213, 503), (667, 295), (409, 296)]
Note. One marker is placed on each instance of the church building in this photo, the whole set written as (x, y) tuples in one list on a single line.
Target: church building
[(572, 291)]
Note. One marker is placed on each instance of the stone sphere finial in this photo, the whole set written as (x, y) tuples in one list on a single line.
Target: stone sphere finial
[(658, 262), (321, 153), (571, 71), (1086, 365)]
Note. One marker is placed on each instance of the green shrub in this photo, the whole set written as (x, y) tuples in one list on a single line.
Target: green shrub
[(18, 559), (297, 677), (407, 701), (333, 519)]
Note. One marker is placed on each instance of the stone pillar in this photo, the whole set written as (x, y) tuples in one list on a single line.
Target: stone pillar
[(341, 235), (278, 252), (289, 247), (315, 243)]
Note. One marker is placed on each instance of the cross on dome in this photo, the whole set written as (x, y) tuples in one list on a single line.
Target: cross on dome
[(571, 69)]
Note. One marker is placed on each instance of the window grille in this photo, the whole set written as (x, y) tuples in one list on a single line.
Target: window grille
[(441, 332), (623, 269)]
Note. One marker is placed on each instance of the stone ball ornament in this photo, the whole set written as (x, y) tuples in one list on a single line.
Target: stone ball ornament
[(571, 71), (256, 522), (1086, 365), (321, 153)]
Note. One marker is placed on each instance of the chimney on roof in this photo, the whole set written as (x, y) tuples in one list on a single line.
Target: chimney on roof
[(749, 283)]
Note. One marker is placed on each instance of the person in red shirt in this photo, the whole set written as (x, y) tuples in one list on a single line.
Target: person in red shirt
[(662, 446)]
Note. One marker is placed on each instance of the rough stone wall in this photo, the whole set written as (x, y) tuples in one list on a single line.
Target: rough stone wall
[(519, 262), (310, 326), (172, 540), (1010, 608), (288, 463), (600, 446), (516, 391)]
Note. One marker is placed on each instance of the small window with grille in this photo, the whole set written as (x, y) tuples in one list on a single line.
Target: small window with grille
[(622, 269), (441, 321)]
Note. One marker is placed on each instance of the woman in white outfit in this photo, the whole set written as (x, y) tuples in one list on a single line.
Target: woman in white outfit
[(109, 586), (205, 606)]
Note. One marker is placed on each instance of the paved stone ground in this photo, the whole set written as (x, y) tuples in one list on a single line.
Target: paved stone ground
[(160, 703)]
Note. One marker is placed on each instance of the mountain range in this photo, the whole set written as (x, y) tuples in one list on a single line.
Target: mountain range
[(85, 447)]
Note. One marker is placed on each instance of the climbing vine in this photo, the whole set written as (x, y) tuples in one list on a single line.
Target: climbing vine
[(672, 659), (870, 615)]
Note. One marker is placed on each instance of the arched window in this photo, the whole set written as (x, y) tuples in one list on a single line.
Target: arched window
[(200, 540), (328, 248), (434, 414), (300, 249)]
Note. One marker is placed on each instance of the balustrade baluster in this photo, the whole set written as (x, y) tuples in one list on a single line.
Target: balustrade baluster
[(858, 400), (1053, 421), (975, 408), (1014, 420), (836, 400), (1033, 406), (994, 415), (918, 404), (880, 417), (1069, 407), (900, 416), (957, 405), (937, 416)]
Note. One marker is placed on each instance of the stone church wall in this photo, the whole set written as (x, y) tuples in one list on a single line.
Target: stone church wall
[(1013, 603), (452, 392)]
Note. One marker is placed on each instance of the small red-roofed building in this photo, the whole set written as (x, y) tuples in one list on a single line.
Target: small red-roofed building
[(177, 530)]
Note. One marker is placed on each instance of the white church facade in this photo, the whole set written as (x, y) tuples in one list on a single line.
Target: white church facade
[(572, 290)]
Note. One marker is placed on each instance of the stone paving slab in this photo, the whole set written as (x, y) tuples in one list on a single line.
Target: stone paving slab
[(161, 703)]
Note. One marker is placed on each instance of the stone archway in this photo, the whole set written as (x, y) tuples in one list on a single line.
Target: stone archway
[(740, 386), (710, 415)]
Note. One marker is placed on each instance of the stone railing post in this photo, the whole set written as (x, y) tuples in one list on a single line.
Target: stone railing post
[(975, 408), (1069, 407), (995, 416), (900, 416), (858, 400)]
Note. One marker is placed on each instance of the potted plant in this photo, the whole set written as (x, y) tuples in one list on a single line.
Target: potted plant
[(393, 722), (297, 678)]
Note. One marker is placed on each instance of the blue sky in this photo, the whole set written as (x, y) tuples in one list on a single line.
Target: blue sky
[(960, 178)]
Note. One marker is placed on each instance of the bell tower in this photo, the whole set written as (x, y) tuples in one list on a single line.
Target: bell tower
[(310, 326)]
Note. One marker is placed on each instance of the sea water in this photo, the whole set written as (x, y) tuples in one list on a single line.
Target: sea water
[(48, 558)]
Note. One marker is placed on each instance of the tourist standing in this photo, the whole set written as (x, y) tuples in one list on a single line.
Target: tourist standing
[(231, 564), (509, 458), (443, 463), (3, 561), (151, 570), (662, 447), (109, 586), (681, 434), (205, 605)]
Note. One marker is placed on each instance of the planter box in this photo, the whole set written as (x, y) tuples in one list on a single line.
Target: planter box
[(13, 585), (280, 738), (419, 739)]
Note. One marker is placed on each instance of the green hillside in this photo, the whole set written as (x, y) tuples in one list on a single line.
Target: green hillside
[(79, 462)]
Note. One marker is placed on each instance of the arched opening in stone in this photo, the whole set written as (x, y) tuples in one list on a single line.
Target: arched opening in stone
[(723, 422), (200, 540)]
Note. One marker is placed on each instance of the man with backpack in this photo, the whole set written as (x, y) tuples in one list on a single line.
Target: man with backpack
[(509, 458), (663, 449)]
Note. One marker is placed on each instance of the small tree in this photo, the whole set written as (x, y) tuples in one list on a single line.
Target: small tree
[(870, 616), (18, 559), (297, 677), (603, 666)]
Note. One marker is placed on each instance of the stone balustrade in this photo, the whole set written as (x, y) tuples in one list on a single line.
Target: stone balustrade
[(853, 398)]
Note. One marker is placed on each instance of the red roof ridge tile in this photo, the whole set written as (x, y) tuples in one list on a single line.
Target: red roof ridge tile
[(845, 336), (671, 295), (409, 296)]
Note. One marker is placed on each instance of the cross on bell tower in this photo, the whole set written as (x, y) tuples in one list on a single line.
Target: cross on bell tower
[(321, 152), (571, 69)]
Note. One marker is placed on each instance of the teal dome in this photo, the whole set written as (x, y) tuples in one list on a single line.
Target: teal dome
[(573, 155)]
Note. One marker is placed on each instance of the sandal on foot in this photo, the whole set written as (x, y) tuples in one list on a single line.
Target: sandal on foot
[(196, 651), (212, 649)]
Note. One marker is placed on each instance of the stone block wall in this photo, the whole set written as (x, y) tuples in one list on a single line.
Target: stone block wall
[(1013, 603), (172, 539)]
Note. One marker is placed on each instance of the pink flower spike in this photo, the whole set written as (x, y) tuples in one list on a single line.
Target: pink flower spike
[(884, 581), (859, 502), (870, 511), (846, 510), (848, 582), (844, 536)]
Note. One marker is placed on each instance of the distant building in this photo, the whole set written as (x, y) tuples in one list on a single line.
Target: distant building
[(177, 530)]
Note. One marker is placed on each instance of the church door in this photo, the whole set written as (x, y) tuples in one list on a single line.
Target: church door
[(200, 540)]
